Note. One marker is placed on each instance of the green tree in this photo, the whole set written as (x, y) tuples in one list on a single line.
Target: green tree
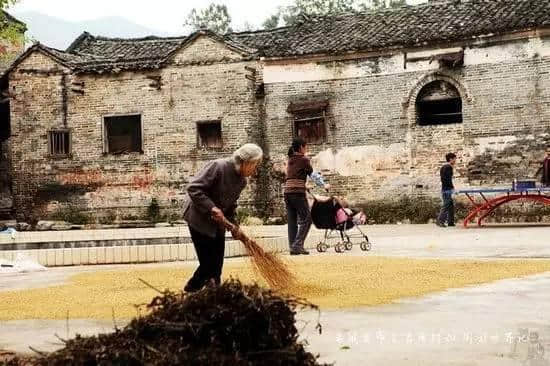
[(304, 8), (215, 18), (293, 14), (272, 21), (381, 4), (245, 27), (11, 31)]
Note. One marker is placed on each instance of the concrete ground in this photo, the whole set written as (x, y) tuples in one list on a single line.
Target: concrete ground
[(478, 325)]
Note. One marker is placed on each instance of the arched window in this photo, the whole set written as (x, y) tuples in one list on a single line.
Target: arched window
[(438, 103)]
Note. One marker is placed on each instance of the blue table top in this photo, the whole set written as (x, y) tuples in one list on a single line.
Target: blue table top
[(503, 190)]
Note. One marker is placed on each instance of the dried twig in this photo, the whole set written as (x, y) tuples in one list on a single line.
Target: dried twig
[(114, 320), (64, 341), (67, 324), (41, 353), (197, 329), (150, 286)]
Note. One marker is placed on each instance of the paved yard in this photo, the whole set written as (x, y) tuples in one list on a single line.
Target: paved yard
[(470, 326)]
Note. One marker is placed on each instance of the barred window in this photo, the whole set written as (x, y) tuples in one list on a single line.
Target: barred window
[(59, 143)]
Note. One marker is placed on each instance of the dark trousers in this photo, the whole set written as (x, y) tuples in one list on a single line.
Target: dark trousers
[(447, 213), (210, 252), (299, 219)]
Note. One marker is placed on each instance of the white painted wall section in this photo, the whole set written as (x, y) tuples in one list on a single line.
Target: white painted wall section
[(360, 160), (393, 64)]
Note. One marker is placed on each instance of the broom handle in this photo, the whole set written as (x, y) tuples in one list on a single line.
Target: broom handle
[(230, 226), (227, 224), (237, 233)]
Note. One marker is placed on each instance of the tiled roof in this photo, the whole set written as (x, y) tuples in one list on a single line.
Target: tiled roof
[(406, 26), (147, 47), (64, 58), (101, 54), (432, 23)]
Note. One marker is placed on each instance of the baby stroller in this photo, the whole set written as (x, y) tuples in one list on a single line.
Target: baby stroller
[(338, 220)]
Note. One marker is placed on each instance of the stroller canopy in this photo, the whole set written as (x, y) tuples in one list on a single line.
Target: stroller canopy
[(323, 214)]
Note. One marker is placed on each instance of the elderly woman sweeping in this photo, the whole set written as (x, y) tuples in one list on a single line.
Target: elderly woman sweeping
[(212, 197)]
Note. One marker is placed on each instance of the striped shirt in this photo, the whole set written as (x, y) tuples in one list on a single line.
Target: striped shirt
[(297, 171)]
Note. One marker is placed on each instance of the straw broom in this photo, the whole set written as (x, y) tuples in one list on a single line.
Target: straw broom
[(267, 264)]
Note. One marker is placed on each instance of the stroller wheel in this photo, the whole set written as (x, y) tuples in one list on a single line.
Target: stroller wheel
[(324, 247), (348, 245), (339, 248), (320, 247), (366, 246)]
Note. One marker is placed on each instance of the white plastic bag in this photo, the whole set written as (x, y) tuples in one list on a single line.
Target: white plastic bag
[(22, 264)]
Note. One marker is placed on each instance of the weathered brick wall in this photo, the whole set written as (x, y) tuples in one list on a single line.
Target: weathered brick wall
[(374, 147), (126, 183), (9, 51), (35, 107)]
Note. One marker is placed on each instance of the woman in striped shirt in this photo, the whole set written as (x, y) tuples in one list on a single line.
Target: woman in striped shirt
[(299, 217)]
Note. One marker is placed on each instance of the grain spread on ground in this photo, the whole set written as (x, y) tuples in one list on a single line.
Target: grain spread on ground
[(332, 282)]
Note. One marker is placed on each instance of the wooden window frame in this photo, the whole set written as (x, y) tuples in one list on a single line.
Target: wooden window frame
[(312, 115)]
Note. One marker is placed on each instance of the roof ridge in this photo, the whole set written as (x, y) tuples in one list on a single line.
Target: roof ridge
[(78, 41), (138, 39), (259, 31), (53, 48)]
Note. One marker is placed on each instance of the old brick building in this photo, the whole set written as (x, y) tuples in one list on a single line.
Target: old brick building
[(109, 124), (11, 46)]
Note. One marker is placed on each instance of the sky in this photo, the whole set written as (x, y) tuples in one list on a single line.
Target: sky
[(162, 15)]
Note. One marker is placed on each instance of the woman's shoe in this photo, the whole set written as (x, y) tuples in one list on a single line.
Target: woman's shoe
[(299, 252)]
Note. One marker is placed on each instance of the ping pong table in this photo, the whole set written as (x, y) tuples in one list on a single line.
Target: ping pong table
[(500, 196)]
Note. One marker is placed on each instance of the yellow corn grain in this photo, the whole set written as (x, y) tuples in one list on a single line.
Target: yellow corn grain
[(329, 281)]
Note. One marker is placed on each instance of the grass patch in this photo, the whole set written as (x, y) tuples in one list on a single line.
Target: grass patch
[(71, 214)]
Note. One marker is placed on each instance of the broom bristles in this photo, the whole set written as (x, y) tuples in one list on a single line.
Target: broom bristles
[(267, 264)]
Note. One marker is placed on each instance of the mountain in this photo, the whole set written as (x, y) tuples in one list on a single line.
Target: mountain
[(58, 33)]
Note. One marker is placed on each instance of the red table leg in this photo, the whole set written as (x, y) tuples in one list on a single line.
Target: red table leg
[(489, 206)]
